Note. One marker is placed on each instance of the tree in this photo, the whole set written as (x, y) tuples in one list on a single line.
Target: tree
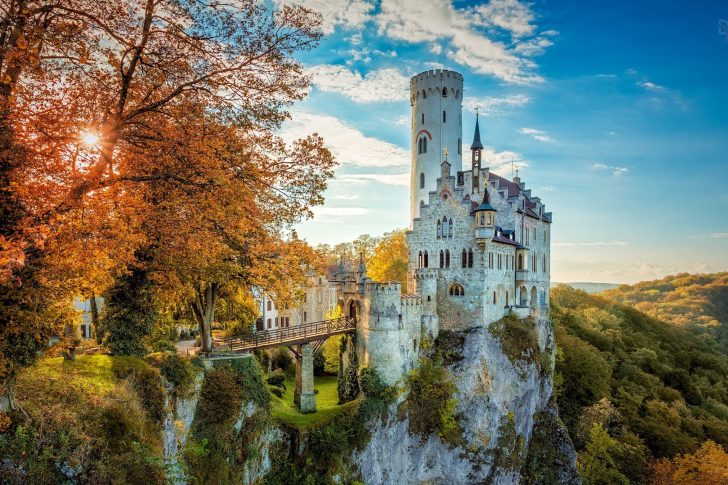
[(183, 97), (596, 463), (707, 466), (389, 260)]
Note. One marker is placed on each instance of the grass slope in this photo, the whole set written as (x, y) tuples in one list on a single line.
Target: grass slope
[(327, 399)]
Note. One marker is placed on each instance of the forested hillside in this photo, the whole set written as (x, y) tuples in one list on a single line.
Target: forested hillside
[(632, 388), (698, 302)]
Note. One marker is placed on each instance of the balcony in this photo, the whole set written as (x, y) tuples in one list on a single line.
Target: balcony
[(521, 311), (483, 235), (521, 275)]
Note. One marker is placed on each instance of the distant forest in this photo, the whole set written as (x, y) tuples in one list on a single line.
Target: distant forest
[(632, 388)]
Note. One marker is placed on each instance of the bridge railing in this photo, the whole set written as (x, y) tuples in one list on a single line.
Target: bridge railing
[(281, 336)]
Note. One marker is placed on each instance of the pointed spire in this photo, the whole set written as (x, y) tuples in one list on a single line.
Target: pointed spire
[(362, 266), (342, 265), (477, 145), (485, 206)]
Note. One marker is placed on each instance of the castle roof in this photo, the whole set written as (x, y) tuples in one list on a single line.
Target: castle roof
[(485, 206), (477, 145), (505, 240)]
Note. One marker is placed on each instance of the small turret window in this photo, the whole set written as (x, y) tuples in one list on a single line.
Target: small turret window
[(422, 180), (456, 289), (495, 298), (444, 93), (427, 260), (424, 95), (444, 116), (460, 147), (423, 117)]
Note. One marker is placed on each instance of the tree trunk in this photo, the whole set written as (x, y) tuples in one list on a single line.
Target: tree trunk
[(204, 307), (95, 319)]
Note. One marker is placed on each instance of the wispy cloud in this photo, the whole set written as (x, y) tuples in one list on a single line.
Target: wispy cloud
[(490, 104), (399, 179), (328, 213), (719, 234), (616, 171), (652, 86), (537, 134), (349, 14), (349, 145), (599, 243), (500, 162), (550, 188), (387, 84), (343, 197)]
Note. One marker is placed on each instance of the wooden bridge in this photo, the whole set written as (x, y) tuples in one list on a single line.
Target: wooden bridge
[(314, 333)]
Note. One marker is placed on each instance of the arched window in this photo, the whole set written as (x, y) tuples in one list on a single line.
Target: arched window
[(449, 229), (422, 180), (444, 92), (423, 114), (520, 261), (442, 259), (460, 147), (456, 289), (427, 260), (444, 225), (444, 116), (464, 259), (424, 95), (422, 204), (424, 144), (419, 146), (470, 258), (544, 235), (447, 258), (543, 267), (528, 237), (457, 94), (420, 260), (506, 298), (495, 298), (439, 229)]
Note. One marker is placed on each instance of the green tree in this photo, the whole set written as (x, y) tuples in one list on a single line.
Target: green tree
[(596, 464)]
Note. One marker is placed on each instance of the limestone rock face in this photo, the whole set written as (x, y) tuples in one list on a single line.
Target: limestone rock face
[(509, 423)]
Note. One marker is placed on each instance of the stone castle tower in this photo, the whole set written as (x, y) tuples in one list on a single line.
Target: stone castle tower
[(437, 107)]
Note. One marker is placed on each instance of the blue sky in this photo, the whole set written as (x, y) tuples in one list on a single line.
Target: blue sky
[(616, 113)]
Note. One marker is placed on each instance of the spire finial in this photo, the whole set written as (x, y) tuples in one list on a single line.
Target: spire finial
[(445, 150), (477, 144), (476, 111)]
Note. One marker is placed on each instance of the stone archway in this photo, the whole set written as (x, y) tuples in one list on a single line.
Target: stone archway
[(533, 297), (352, 309)]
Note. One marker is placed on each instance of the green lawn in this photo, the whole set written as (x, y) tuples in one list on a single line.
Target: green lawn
[(326, 403)]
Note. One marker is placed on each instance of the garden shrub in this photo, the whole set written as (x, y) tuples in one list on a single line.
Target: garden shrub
[(348, 383), (145, 380), (164, 346), (277, 379)]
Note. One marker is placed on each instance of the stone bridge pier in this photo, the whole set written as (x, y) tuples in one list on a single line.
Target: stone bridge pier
[(304, 395)]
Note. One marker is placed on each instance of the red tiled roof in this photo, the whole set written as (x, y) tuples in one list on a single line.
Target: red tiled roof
[(504, 240), (513, 189), (331, 270), (529, 212)]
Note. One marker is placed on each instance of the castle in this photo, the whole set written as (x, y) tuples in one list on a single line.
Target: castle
[(479, 245)]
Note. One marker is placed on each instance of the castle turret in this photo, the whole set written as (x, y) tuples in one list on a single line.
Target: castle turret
[(436, 98), (476, 149), (484, 221)]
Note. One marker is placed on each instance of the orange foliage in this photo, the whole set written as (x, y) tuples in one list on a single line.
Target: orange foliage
[(707, 466)]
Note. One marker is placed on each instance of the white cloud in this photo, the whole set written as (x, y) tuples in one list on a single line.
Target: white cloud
[(719, 234), (616, 171), (533, 47), (500, 162), (550, 188), (509, 15), (652, 86), (344, 197), (615, 271), (381, 85), (537, 134), (328, 213), (599, 243), (346, 13), (399, 179), (460, 33), (490, 104), (349, 145)]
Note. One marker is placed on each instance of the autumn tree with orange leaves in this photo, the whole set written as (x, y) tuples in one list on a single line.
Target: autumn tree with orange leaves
[(184, 98)]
